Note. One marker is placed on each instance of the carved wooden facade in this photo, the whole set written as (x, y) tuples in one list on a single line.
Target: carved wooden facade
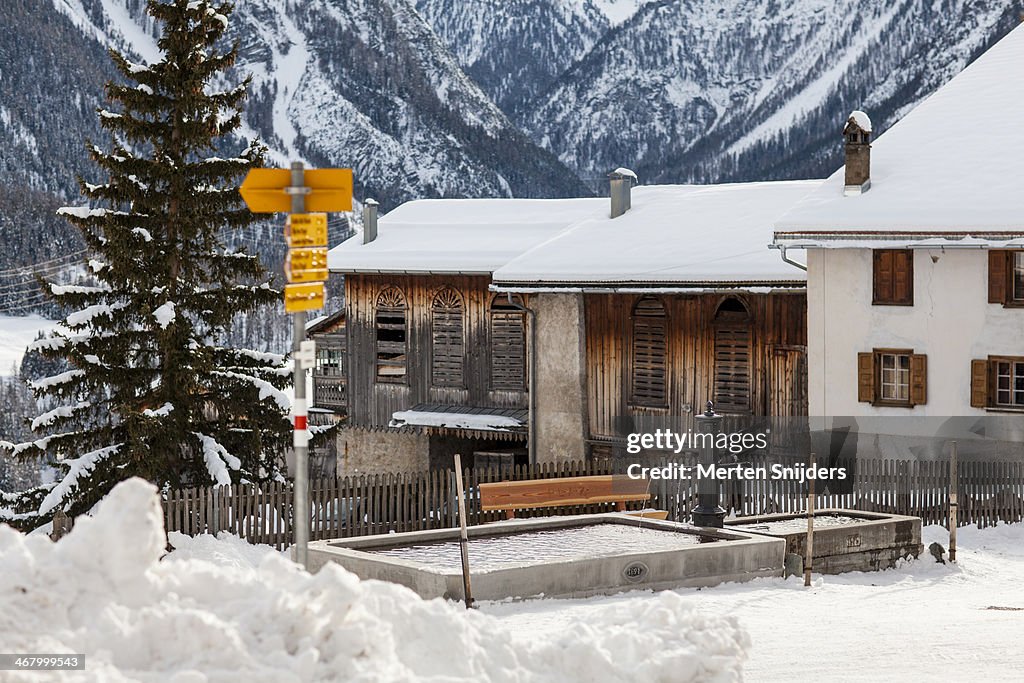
[(666, 355), (431, 339)]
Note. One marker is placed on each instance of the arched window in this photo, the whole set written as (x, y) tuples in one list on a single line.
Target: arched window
[(732, 357), (649, 377), (508, 345), (391, 336), (447, 341)]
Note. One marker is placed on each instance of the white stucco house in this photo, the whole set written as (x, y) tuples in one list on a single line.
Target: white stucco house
[(915, 267)]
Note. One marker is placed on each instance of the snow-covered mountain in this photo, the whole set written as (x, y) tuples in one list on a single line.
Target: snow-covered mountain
[(515, 49), (712, 90), (678, 89)]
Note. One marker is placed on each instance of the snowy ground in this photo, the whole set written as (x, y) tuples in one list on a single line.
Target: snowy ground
[(222, 610), (15, 334), (921, 622)]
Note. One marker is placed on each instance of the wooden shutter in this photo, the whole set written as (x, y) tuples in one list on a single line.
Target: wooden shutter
[(918, 379), (882, 286), (732, 368), (446, 332), (979, 383), (998, 276), (508, 348), (903, 278), (893, 277), (866, 377), (649, 378)]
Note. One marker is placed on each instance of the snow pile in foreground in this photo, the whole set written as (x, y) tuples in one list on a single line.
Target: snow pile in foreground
[(250, 616)]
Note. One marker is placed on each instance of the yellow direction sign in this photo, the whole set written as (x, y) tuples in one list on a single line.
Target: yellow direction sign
[(328, 189), (306, 265), (306, 230), (303, 297)]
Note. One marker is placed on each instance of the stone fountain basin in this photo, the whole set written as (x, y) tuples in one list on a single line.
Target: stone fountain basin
[(844, 540), (572, 556)]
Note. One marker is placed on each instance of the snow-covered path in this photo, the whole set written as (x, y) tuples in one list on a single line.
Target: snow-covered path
[(921, 622)]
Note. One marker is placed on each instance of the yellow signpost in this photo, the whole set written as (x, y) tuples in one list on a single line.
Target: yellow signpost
[(308, 264), (306, 296), (297, 191), (267, 190), (306, 230)]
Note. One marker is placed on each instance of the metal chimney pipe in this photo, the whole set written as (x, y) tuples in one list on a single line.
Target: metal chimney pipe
[(369, 220), (621, 180)]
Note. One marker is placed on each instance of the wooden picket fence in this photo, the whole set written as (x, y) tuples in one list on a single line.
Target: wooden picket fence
[(354, 506), (989, 492)]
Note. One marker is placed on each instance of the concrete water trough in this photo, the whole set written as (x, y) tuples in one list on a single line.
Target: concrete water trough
[(557, 557), (844, 540)]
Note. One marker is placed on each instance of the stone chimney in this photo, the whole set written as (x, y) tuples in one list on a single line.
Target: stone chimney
[(369, 220), (857, 145), (621, 181)]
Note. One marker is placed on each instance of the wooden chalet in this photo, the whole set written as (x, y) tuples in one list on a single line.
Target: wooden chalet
[(433, 362), (680, 302), (516, 330)]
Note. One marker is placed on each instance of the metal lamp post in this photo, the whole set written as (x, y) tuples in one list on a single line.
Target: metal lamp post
[(708, 512)]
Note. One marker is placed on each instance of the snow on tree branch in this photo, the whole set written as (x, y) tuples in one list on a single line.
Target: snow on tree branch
[(86, 315), (267, 390), (76, 469), (50, 416), (217, 459), (54, 380), (162, 411)]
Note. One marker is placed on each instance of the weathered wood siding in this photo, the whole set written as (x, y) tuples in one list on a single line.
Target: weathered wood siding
[(778, 337), (372, 402)]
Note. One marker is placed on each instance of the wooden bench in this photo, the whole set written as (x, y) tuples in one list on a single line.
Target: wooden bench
[(564, 491)]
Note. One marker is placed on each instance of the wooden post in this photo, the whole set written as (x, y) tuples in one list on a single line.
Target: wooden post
[(809, 550), (61, 525), (952, 502), (463, 534)]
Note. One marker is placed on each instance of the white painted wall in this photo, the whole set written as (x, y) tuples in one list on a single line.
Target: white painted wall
[(951, 321)]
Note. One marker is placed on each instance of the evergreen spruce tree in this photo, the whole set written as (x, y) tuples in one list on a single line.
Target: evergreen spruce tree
[(150, 392)]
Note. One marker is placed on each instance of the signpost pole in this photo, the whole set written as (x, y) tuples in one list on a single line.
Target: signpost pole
[(301, 434), (295, 190)]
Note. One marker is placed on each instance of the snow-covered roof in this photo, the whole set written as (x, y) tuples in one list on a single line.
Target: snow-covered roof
[(460, 235), (954, 163), (688, 235), (461, 417)]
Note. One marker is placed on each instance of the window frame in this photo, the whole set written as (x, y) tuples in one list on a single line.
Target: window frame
[(871, 371), (448, 300), (1016, 364), (391, 302), (730, 319), (896, 354), (637, 314), (329, 360), (1015, 294), (500, 306)]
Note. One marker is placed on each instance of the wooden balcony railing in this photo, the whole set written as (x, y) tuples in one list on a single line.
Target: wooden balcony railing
[(330, 392)]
